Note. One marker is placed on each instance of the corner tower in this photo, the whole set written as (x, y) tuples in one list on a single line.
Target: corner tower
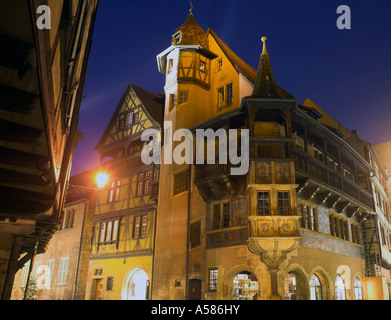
[(187, 66)]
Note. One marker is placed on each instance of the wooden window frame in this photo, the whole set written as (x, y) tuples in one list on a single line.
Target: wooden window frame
[(195, 234), (284, 204), (213, 279), (140, 224), (216, 216), (107, 237), (261, 204)]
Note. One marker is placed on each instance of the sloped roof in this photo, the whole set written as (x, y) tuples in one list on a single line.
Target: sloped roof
[(242, 67), (153, 104), (192, 34)]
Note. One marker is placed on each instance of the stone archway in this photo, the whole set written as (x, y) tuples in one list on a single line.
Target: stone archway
[(241, 284), (136, 285), (296, 285), (319, 286)]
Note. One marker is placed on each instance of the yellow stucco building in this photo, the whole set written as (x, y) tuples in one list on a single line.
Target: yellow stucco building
[(122, 240)]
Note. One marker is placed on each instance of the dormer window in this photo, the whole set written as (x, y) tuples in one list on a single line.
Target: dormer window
[(177, 37)]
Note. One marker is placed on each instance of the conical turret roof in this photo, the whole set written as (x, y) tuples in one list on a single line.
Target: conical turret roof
[(265, 85), (190, 33)]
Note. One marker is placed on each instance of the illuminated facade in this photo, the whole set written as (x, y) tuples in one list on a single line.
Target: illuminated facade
[(122, 240), (292, 228)]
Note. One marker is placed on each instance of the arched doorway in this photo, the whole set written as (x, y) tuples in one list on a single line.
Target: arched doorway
[(295, 286), (315, 288), (137, 287), (245, 286)]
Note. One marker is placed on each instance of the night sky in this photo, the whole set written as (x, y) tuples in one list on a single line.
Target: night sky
[(345, 72)]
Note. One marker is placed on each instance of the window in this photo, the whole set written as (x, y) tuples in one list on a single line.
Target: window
[(170, 65), (109, 232), (339, 227), (172, 101), (102, 232), (181, 181), (216, 217), (129, 119), (355, 233), (140, 227), (202, 65), (226, 215), (183, 96), (263, 203), (315, 288), (357, 289), (49, 272), (36, 270), (136, 117), (68, 220), (221, 215), (283, 204), (25, 273), (219, 64), (309, 216), (146, 187), (144, 227), (224, 96), (114, 191), (136, 233), (143, 184), (339, 288), (115, 230), (213, 278), (121, 124), (228, 90), (62, 272), (195, 234), (109, 283), (220, 98), (177, 37)]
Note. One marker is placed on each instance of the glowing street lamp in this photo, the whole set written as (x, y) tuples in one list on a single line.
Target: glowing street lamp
[(101, 179)]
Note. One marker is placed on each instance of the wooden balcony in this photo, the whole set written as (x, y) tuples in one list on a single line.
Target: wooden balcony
[(319, 173)]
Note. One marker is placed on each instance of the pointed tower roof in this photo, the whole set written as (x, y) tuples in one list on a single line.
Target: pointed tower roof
[(265, 85), (190, 33)]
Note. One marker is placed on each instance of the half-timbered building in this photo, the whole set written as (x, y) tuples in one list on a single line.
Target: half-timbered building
[(122, 240)]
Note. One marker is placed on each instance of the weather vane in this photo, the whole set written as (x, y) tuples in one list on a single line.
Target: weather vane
[(191, 7)]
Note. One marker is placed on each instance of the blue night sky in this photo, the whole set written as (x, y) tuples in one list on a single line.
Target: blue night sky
[(345, 72)]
